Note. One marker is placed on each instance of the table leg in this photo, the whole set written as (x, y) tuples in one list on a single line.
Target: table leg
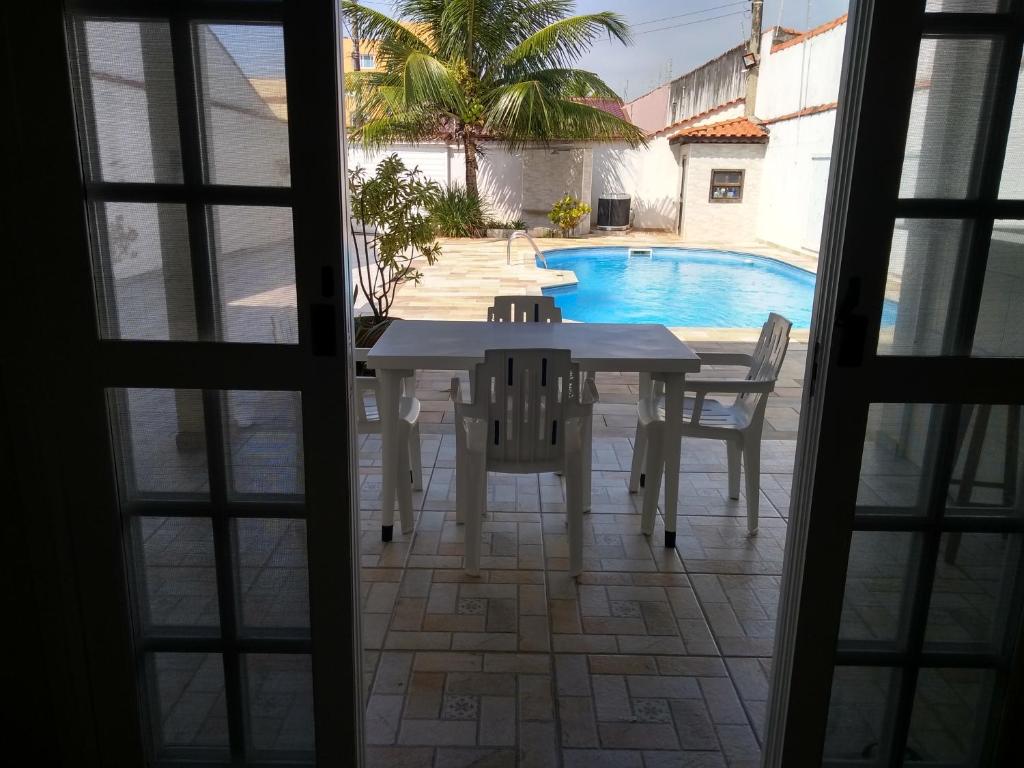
[(674, 383), (587, 460), (390, 393)]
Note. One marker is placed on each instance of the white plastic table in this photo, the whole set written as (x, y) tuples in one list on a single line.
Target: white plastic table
[(410, 345)]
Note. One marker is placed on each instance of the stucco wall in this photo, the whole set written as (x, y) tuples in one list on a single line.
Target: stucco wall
[(551, 172), (431, 159), (801, 75), (649, 176), (715, 222), (792, 189)]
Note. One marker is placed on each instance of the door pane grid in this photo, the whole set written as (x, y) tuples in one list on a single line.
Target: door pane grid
[(951, 459), (944, 497), (979, 207), (192, 109), (941, 455), (163, 636), (226, 586)]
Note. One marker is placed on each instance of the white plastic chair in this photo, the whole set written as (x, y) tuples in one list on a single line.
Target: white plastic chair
[(527, 416), (524, 309), (739, 423), (368, 423), (540, 309)]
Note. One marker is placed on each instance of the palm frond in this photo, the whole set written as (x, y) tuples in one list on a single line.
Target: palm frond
[(382, 131), (570, 83), (374, 25), (527, 111), (427, 81), (562, 42)]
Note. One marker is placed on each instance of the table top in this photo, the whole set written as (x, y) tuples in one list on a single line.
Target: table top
[(458, 345)]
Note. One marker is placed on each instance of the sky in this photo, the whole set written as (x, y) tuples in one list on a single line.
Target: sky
[(671, 37)]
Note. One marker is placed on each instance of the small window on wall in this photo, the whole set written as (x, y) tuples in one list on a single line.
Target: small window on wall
[(366, 61), (726, 186)]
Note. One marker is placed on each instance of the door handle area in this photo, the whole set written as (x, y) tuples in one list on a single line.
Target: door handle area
[(324, 335), (851, 328), (851, 332)]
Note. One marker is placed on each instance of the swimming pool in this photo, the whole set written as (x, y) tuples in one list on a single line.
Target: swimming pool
[(680, 287)]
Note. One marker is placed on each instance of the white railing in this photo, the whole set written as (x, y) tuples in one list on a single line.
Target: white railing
[(519, 233)]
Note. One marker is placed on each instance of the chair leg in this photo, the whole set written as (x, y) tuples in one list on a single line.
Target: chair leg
[(752, 475), (654, 469), (416, 458), (587, 460), (639, 454), (462, 470), (477, 477), (733, 450), (574, 497), (404, 488)]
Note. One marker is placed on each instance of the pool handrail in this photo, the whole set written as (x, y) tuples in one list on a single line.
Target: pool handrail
[(522, 233)]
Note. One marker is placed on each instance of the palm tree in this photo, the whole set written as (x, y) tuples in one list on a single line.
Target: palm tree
[(470, 70)]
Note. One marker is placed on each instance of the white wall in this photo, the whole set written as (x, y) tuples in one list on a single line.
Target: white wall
[(649, 176), (499, 172), (431, 159), (802, 75), (789, 179), (500, 178), (797, 77), (719, 222)]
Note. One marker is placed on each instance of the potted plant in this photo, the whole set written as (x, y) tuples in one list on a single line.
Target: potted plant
[(390, 228), (502, 229), (566, 214)]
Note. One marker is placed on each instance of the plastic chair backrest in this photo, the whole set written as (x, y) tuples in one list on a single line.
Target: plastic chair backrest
[(527, 395), (766, 362), (524, 309)]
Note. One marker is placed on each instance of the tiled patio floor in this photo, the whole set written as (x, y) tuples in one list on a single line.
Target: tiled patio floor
[(654, 658)]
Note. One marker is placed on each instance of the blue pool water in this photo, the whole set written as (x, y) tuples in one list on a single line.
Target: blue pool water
[(680, 287)]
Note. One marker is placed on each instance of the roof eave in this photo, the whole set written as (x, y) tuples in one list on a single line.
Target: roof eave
[(718, 140)]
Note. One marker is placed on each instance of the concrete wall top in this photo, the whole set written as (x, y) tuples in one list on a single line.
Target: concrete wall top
[(720, 80)]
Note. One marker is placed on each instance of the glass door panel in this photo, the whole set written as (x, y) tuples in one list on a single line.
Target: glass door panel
[(909, 520), (186, 147)]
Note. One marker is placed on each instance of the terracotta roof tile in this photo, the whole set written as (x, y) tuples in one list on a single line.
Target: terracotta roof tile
[(611, 106), (738, 130), (700, 115), (804, 36)]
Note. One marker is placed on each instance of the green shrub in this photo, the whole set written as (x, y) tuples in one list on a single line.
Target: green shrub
[(566, 214), (389, 231), (455, 212)]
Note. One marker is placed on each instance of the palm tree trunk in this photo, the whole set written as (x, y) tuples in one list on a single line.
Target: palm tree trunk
[(471, 164)]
